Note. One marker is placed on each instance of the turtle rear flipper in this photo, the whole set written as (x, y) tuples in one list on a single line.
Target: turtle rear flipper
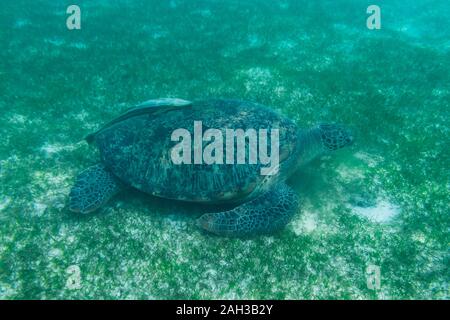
[(265, 214), (93, 188)]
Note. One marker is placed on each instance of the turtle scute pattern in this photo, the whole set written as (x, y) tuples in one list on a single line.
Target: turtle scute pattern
[(265, 214), (137, 151), (93, 187)]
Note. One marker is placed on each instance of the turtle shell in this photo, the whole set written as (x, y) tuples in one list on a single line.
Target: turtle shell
[(137, 149)]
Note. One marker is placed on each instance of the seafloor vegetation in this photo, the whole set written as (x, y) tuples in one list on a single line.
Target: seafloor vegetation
[(384, 202)]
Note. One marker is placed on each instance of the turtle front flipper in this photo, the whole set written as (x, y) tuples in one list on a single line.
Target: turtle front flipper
[(266, 214), (93, 188)]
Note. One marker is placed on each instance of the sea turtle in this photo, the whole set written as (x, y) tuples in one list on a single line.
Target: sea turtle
[(136, 149)]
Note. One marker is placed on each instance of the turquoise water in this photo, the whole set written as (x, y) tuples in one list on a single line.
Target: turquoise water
[(383, 203)]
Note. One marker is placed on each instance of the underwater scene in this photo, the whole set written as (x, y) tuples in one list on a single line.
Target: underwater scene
[(350, 201)]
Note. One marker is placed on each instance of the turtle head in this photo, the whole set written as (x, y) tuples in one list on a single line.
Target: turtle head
[(334, 136), (322, 139)]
